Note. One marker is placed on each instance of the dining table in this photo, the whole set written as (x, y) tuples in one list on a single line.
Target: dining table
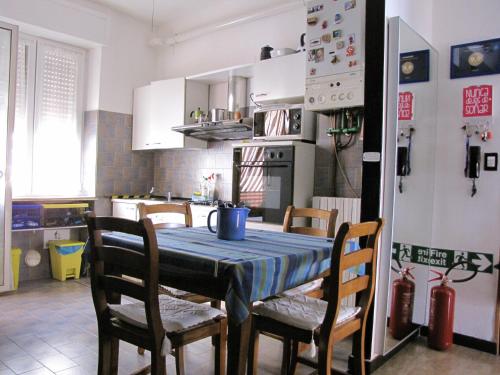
[(239, 273)]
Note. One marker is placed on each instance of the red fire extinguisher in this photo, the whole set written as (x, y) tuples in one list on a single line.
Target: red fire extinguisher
[(403, 294), (442, 308)]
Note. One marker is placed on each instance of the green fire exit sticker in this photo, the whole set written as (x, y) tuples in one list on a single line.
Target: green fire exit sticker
[(443, 258)]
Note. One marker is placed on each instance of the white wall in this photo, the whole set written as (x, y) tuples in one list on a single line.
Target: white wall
[(462, 222), (120, 58), (417, 14), (232, 46)]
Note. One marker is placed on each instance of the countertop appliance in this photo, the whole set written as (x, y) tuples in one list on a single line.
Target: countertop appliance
[(236, 127), (284, 122), (270, 176)]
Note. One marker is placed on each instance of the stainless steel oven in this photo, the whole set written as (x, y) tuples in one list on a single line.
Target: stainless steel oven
[(263, 180), (290, 122)]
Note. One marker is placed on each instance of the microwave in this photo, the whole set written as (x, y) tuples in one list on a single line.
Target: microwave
[(284, 123)]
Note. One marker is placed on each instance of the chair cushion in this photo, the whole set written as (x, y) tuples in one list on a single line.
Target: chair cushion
[(303, 289), (176, 314), (177, 293), (302, 311)]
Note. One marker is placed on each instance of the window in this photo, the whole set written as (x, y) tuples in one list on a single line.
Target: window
[(47, 147)]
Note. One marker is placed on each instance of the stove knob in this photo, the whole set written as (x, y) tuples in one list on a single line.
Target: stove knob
[(296, 116), (280, 155), (311, 99), (271, 155), (296, 125), (350, 95)]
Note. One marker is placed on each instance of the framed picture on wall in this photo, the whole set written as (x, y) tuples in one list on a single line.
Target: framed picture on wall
[(414, 67), (475, 59)]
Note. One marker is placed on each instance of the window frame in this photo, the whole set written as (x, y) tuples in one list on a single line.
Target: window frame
[(35, 46)]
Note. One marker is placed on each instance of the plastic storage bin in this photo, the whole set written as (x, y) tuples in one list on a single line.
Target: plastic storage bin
[(15, 258), (64, 214), (26, 216), (65, 259)]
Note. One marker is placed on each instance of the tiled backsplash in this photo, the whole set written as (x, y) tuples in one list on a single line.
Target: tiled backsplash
[(180, 171), (109, 159), (119, 169)]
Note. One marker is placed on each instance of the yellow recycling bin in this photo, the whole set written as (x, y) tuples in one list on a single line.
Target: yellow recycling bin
[(65, 258), (15, 258)]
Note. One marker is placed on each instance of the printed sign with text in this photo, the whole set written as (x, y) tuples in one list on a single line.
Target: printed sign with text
[(405, 106), (477, 101)]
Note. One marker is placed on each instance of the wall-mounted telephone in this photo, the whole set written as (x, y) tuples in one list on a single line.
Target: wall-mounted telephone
[(473, 165), (404, 155), (403, 161)]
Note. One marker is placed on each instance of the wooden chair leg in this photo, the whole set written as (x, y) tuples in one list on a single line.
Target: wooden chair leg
[(294, 357), (253, 352), (358, 352), (285, 359), (220, 349), (108, 355), (140, 350), (324, 360), (216, 305), (158, 365), (179, 360)]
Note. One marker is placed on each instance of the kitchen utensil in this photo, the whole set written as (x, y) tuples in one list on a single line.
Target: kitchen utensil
[(231, 222), (302, 44), (265, 52), (282, 52), (217, 114), (197, 114), (203, 118)]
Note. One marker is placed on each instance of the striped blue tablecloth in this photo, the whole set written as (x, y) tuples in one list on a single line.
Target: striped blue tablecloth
[(263, 265)]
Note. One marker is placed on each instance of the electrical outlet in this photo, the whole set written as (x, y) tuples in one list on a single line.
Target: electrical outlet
[(54, 234)]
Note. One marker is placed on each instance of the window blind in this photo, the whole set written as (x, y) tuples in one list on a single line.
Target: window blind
[(57, 120)]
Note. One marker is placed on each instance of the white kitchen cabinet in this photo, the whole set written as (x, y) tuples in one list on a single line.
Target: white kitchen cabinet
[(164, 104), (280, 79), (142, 134), (200, 215), (125, 210)]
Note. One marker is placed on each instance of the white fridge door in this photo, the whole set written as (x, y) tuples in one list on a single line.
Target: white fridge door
[(8, 59)]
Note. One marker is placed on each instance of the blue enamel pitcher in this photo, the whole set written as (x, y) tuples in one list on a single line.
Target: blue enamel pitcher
[(230, 222)]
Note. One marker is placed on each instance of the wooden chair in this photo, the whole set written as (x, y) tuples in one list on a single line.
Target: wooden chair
[(302, 318), (181, 209), (165, 208), (310, 213), (153, 320), (313, 288)]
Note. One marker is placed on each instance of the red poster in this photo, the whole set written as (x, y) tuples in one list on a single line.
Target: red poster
[(477, 101), (405, 106)]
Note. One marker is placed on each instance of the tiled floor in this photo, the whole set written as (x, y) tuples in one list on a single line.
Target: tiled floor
[(48, 327)]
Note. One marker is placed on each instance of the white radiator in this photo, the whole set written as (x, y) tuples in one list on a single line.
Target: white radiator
[(349, 210)]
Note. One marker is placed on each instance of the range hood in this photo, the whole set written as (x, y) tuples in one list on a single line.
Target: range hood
[(231, 129), (218, 131)]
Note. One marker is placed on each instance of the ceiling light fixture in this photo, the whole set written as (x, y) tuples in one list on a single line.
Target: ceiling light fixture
[(155, 40)]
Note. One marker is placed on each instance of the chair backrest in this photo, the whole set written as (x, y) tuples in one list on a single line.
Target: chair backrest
[(109, 264), (166, 208), (362, 285), (310, 213)]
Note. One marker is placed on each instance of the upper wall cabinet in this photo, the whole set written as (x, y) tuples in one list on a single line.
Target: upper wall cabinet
[(280, 79), (164, 104)]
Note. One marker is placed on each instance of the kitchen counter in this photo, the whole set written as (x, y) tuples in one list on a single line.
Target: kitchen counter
[(146, 201)]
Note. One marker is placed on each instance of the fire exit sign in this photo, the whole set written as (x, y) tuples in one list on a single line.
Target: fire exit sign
[(442, 258)]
